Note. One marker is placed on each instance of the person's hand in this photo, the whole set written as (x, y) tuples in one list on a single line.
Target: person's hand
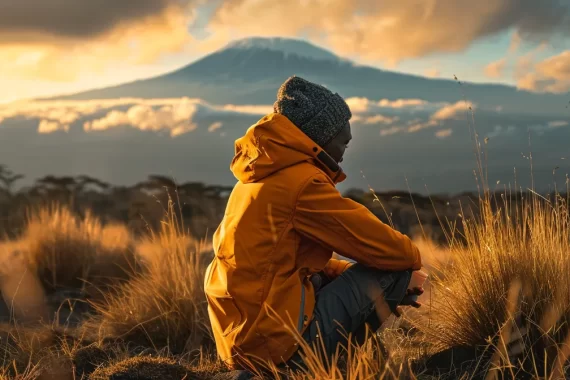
[(319, 280), (410, 299)]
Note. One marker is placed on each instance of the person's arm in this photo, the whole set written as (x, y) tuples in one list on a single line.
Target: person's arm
[(350, 229), (335, 267)]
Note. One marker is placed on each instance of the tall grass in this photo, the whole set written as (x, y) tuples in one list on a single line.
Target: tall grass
[(164, 310), (526, 242), (505, 295), (66, 251)]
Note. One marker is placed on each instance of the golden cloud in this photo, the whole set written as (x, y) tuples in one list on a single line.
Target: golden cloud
[(391, 131), (495, 69), (453, 111), (177, 119), (444, 133), (360, 104), (73, 38), (388, 30), (432, 73), (550, 75), (175, 116), (215, 126)]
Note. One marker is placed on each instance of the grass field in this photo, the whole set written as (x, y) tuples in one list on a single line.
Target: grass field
[(90, 301)]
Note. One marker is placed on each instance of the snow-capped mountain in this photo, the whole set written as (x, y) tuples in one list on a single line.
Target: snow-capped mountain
[(249, 71), (287, 46)]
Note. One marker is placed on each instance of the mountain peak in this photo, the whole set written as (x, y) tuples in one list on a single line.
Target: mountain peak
[(289, 46)]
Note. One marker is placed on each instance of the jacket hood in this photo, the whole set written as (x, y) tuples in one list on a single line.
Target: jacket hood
[(274, 143)]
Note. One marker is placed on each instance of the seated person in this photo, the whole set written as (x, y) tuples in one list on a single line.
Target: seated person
[(284, 219)]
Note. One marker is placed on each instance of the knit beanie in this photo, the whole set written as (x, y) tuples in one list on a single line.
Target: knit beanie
[(314, 109)]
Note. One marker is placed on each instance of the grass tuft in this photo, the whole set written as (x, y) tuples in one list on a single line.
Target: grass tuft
[(164, 310)]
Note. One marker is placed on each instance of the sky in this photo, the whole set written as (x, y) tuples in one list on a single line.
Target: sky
[(50, 47)]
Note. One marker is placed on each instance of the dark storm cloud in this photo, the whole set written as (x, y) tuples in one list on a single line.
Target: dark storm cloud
[(26, 20)]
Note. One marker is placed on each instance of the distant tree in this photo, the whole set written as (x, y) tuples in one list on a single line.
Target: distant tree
[(217, 191), (63, 185), (84, 180), (192, 187), (162, 181), (7, 179), (157, 183)]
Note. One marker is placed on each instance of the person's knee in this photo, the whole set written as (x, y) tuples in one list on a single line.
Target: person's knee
[(375, 283)]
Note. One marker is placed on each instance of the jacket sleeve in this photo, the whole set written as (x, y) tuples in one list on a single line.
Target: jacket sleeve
[(350, 229), (335, 267)]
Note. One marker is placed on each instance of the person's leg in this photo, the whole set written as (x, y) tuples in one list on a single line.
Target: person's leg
[(348, 303)]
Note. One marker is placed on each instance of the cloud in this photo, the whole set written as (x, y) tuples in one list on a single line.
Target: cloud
[(550, 75), (541, 129), (48, 126), (433, 114), (448, 112), (419, 126), (442, 113), (215, 126), (388, 30), (176, 119), (453, 111), (39, 20), (444, 133), (495, 69), (362, 105), (252, 109), (176, 116), (516, 41), (63, 40), (390, 131), (432, 73), (558, 123), (380, 119), (499, 130)]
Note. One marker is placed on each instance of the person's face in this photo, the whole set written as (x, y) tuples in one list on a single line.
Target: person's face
[(336, 147)]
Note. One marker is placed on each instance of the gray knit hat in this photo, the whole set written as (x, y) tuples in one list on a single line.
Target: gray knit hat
[(314, 109)]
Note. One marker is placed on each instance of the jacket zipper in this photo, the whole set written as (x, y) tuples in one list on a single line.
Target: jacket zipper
[(302, 311)]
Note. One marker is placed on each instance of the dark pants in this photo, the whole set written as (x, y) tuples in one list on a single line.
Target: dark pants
[(347, 304)]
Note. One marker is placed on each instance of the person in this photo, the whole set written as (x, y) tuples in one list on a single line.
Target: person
[(273, 274)]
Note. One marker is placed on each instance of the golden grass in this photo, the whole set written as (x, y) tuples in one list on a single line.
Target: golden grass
[(524, 243), (473, 301), (67, 251), (166, 308)]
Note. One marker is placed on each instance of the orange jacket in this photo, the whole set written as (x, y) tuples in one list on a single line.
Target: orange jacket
[(282, 223)]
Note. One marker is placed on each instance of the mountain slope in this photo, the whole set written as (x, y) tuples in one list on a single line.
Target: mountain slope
[(250, 71)]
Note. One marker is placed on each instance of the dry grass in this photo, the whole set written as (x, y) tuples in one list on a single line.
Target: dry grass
[(36, 353), (144, 368), (526, 243), (474, 309), (164, 310), (78, 253)]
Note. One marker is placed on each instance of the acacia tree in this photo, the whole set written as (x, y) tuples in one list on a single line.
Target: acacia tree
[(7, 179), (84, 181)]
